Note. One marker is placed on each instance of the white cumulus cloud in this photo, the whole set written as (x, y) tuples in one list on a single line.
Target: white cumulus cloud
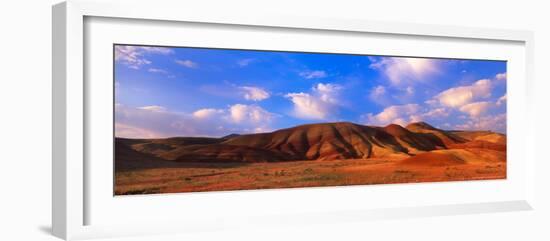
[(490, 122), (476, 109), (437, 113), (396, 114), (245, 62), (155, 108), (458, 96), (377, 92), (501, 100), (254, 93), (403, 70), (240, 113), (328, 92), (501, 76), (134, 56), (187, 63), (379, 95), (315, 74), (320, 104), (307, 106), (156, 70), (207, 113), (159, 122)]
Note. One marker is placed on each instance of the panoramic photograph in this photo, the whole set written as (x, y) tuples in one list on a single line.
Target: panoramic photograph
[(190, 119)]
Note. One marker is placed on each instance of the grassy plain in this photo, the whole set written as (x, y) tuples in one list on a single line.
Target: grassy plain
[(198, 177)]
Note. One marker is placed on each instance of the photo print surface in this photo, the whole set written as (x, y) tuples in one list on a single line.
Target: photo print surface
[(200, 119)]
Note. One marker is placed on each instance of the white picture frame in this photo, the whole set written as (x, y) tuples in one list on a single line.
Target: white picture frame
[(71, 110)]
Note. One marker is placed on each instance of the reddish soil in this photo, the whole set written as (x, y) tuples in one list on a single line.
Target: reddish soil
[(433, 159)]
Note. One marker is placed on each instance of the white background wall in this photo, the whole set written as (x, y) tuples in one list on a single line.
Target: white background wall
[(25, 133)]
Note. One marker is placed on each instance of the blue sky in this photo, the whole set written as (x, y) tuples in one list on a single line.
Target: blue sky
[(163, 92)]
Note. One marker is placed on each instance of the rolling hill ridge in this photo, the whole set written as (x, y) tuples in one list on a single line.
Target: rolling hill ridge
[(325, 141)]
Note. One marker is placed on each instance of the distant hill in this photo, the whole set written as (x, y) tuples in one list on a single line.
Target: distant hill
[(230, 136), (325, 141), (448, 138)]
